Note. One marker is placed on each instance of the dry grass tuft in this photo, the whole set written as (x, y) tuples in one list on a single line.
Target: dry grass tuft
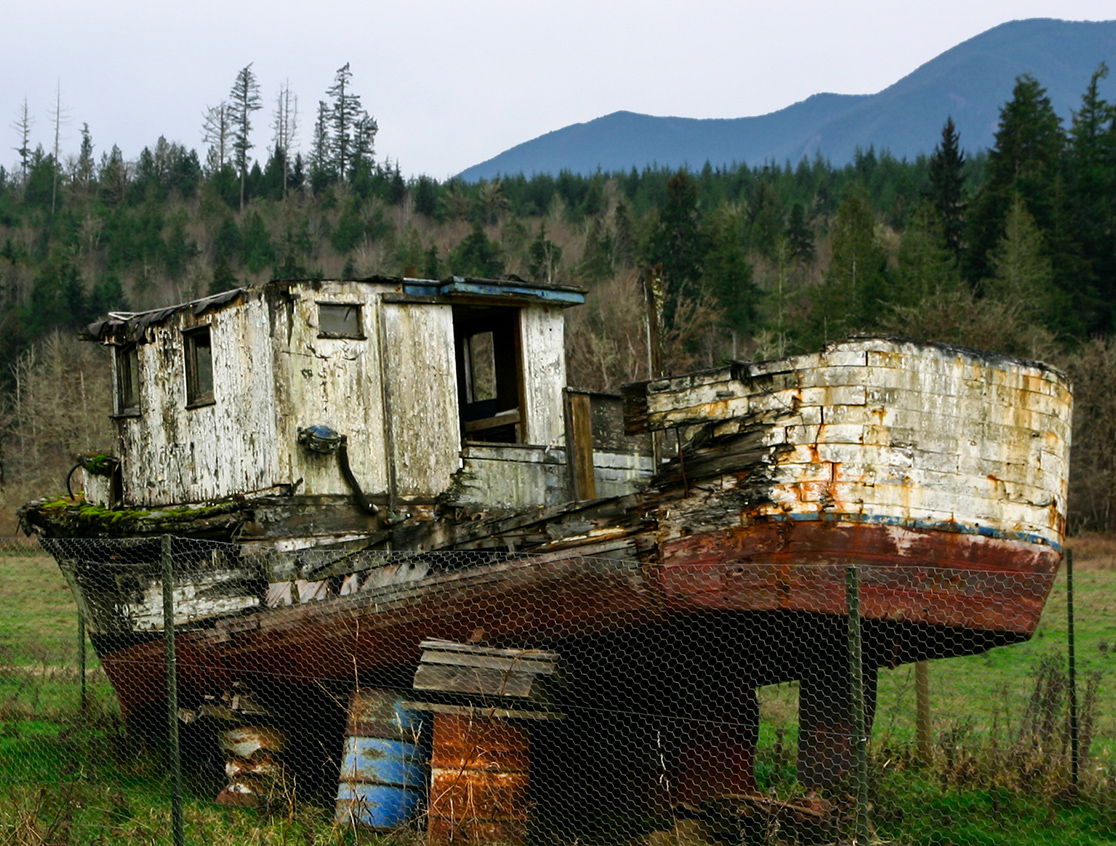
[(1093, 551)]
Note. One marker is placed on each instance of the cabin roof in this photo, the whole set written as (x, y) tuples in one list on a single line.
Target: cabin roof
[(126, 327)]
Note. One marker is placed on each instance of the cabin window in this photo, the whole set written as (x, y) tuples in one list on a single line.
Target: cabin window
[(489, 374), (127, 380), (199, 367), (337, 320)]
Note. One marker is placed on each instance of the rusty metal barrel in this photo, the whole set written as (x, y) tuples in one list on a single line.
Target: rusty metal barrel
[(478, 780), (382, 783), (253, 765)]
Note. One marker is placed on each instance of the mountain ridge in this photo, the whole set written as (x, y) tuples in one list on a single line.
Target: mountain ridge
[(970, 82)]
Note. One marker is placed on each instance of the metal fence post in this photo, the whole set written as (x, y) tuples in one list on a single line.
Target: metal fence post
[(856, 695), (924, 726), (172, 692), (81, 662), (1074, 738)]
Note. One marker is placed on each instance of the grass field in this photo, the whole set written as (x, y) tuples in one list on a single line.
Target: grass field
[(998, 775)]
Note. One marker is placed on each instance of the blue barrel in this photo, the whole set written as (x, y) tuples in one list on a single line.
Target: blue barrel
[(384, 763)]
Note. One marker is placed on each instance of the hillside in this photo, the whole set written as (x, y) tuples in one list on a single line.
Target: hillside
[(970, 82)]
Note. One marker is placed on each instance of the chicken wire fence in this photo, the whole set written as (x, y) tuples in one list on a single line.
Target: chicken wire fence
[(467, 697)]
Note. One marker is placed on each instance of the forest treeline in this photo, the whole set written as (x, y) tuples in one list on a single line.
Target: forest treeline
[(1011, 249)]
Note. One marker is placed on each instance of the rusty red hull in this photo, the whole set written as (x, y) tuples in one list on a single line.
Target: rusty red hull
[(911, 576), (916, 575)]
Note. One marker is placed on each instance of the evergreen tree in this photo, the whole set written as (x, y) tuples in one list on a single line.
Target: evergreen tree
[(597, 260), (322, 171), (425, 193), (349, 229), (431, 266), (180, 247), (798, 235), (85, 169), (364, 144), (476, 255), (57, 295), (856, 282), (1022, 273), (296, 246), (38, 190), (228, 242), (223, 278), (766, 220), (546, 256), (1024, 162), (1092, 196), (727, 273), (928, 274), (353, 130), (107, 295), (259, 252), (243, 100), (676, 243), (947, 185), (114, 177)]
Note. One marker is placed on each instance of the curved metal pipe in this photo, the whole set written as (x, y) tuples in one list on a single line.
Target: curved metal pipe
[(343, 459), (69, 476)]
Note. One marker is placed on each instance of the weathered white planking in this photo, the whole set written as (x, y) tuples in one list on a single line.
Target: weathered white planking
[(887, 430), (544, 366), (422, 396)]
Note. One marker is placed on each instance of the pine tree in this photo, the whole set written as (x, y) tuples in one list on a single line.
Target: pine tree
[(726, 272), (1092, 196), (353, 131), (322, 171), (546, 256), (1024, 162), (85, 169), (1022, 273), (947, 185), (798, 235), (676, 243), (476, 255), (856, 282), (243, 100), (928, 276)]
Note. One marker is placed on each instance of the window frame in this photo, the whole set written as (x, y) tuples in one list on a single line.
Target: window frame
[(502, 418), (196, 368), (126, 383), (358, 335)]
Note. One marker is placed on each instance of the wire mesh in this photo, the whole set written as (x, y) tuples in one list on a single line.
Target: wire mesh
[(472, 697)]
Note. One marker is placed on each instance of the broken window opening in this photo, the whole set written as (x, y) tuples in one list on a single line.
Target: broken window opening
[(199, 367), (489, 374), (340, 320), (127, 380)]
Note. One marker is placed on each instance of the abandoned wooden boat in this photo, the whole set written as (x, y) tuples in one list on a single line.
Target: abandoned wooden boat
[(350, 468)]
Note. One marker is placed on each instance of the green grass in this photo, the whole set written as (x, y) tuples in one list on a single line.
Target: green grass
[(68, 779), (38, 618)]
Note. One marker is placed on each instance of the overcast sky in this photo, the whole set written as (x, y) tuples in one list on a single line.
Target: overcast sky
[(454, 82)]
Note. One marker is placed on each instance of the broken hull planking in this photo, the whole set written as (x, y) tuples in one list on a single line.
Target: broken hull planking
[(991, 589)]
